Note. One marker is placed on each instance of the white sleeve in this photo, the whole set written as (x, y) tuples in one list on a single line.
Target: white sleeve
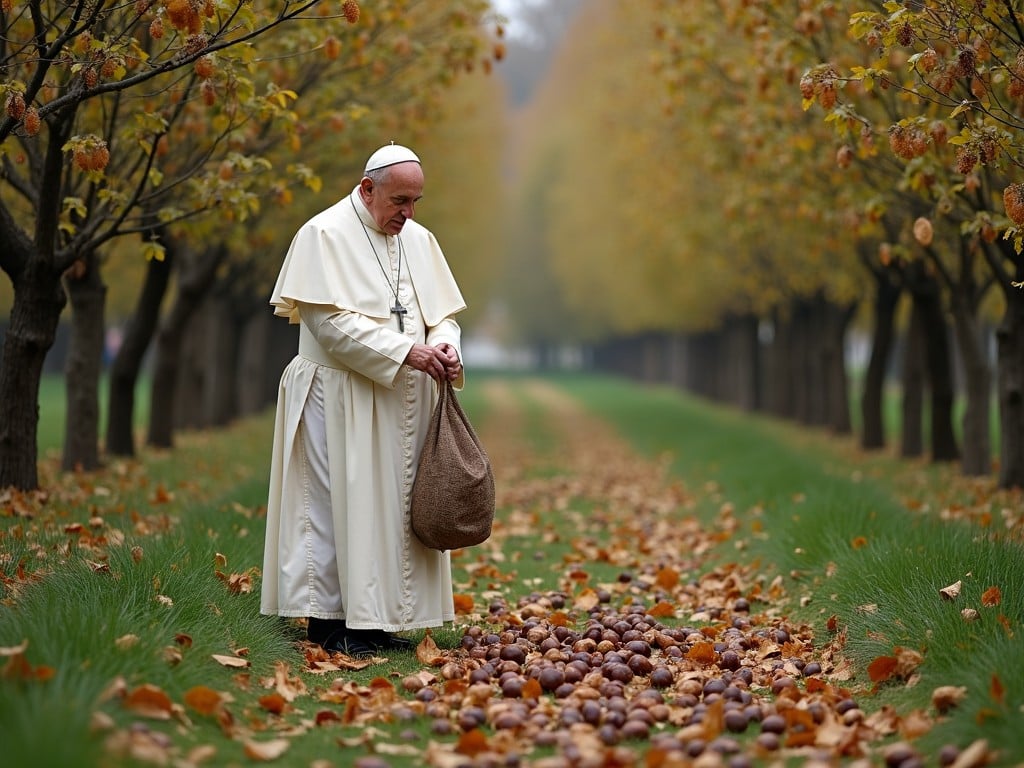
[(359, 343)]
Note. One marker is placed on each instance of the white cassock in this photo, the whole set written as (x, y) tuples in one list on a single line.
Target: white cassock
[(351, 420)]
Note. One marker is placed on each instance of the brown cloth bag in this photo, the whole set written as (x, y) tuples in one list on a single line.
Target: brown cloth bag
[(452, 503)]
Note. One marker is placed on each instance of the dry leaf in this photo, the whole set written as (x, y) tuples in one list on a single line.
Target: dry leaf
[(472, 743), (229, 661), (952, 591), (273, 703), (427, 651), (881, 669), (149, 701), (970, 614), (266, 750), (126, 641), (996, 690), (203, 700), (946, 697), (991, 597)]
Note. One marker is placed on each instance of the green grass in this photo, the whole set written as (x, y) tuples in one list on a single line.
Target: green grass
[(830, 522), (815, 508)]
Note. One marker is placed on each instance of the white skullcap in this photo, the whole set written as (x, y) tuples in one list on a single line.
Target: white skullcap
[(390, 154)]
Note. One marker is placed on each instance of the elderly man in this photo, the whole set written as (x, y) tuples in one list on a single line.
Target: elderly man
[(374, 299)]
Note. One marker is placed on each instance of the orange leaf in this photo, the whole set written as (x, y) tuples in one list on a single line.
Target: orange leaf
[(559, 619), (381, 684), (463, 603), (832, 624), (881, 669), (662, 609), (859, 542), (427, 651), (472, 743), (273, 703), (327, 716), (44, 673), (991, 597), (702, 653), (667, 578), (531, 689), (149, 701), (203, 700), (996, 690), (814, 685)]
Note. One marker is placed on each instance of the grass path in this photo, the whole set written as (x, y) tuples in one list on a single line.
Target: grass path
[(726, 582)]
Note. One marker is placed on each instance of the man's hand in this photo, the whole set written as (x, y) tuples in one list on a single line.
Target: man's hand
[(452, 366), (439, 363)]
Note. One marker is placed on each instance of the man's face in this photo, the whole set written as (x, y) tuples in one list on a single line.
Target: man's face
[(393, 200)]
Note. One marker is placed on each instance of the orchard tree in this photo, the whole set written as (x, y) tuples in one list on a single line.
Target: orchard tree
[(945, 81), (66, 72)]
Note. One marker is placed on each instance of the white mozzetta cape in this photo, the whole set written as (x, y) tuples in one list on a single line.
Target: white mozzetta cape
[(374, 412)]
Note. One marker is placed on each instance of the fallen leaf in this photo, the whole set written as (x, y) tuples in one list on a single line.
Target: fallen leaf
[(273, 703), (471, 743), (427, 651), (667, 578), (952, 591), (463, 603), (991, 597), (125, 642), (202, 699), (701, 652), (661, 609), (970, 614), (996, 690), (149, 701), (881, 669), (266, 750), (229, 661), (946, 697)]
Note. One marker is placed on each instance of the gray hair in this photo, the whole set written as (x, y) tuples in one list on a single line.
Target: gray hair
[(378, 175)]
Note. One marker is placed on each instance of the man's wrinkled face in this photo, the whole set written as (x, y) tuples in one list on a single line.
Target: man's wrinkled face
[(392, 200)]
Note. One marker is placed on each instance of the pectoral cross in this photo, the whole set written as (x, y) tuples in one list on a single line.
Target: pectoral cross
[(399, 310)]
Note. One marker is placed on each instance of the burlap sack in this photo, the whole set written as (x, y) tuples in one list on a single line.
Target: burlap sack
[(452, 502)]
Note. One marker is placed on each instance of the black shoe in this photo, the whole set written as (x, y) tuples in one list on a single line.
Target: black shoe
[(318, 630), (350, 642)]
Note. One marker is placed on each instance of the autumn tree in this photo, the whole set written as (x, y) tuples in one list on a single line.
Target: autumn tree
[(943, 81), (68, 74)]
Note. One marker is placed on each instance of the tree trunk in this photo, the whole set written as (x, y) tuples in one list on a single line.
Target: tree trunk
[(38, 302), (780, 367), (977, 437), (887, 296), (124, 372), (742, 361), (836, 385), (1010, 338), (940, 379), (911, 434), (193, 285), (87, 295)]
